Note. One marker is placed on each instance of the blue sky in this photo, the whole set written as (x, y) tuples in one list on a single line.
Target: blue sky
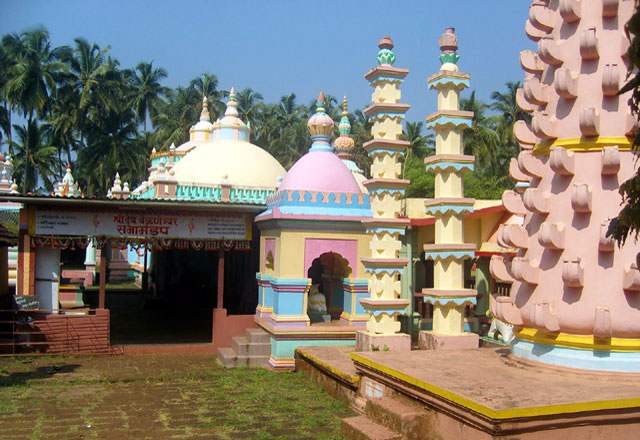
[(277, 47)]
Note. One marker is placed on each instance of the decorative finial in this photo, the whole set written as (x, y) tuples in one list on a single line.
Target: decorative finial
[(204, 116), (344, 144), (386, 57), (448, 45), (320, 124), (232, 104)]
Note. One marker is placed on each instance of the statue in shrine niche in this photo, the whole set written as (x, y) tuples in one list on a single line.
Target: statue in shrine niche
[(317, 308)]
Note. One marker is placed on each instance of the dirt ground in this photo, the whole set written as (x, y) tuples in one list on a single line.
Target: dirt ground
[(158, 397)]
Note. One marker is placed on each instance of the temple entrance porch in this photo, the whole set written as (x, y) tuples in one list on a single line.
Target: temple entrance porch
[(177, 278)]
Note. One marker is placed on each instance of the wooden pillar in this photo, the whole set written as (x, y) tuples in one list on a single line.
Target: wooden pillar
[(103, 277), (219, 304)]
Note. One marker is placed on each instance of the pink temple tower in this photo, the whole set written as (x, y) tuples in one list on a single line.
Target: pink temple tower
[(575, 298)]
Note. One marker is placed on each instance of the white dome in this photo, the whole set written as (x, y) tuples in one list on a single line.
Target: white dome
[(238, 162)]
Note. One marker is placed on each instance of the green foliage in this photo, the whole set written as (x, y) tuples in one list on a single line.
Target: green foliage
[(486, 187), (422, 183), (628, 220), (88, 110)]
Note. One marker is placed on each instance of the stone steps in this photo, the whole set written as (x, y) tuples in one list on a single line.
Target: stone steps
[(362, 428), (387, 418), (252, 350)]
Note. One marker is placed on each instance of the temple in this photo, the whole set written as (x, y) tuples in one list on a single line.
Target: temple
[(446, 317)]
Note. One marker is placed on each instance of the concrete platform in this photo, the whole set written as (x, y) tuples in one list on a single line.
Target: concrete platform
[(332, 368), (486, 394)]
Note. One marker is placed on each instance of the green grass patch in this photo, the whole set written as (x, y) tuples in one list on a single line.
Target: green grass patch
[(235, 404)]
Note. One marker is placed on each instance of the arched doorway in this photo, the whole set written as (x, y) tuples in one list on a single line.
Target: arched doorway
[(328, 272)]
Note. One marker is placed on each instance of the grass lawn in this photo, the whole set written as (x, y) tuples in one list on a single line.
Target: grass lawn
[(159, 397)]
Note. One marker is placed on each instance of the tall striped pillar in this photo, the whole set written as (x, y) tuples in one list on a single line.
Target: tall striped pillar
[(449, 297), (386, 190)]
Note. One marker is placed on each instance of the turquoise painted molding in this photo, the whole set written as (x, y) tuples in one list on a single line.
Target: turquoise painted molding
[(445, 255), (391, 270), (382, 189), (376, 150), (382, 115), (459, 301), (326, 204), (386, 229), (627, 362), (299, 282), (458, 83), (386, 78), (284, 349), (445, 209), (249, 195), (387, 311), (194, 192), (444, 165), (444, 120)]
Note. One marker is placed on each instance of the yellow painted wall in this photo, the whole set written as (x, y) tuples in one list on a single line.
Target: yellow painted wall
[(290, 248)]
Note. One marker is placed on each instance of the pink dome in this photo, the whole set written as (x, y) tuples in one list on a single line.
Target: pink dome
[(320, 171)]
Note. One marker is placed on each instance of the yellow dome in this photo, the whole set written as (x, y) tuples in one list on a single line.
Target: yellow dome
[(238, 162)]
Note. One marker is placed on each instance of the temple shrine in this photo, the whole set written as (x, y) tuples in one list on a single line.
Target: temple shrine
[(380, 298)]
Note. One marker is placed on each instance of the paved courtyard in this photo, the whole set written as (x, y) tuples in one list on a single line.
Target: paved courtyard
[(158, 397)]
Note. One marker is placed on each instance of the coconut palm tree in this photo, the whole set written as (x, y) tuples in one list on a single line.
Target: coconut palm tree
[(419, 145), (146, 90), (175, 117), (508, 114), (481, 138), (207, 85), (34, 156), (111, 147), (90, 70), (250, 106), (33, 70)]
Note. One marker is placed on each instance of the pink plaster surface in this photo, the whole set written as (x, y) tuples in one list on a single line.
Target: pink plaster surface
[(225, 327), (269, 246), (320, 171), (347, 249), (568, 279)]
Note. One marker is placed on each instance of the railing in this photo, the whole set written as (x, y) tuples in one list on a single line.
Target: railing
[(44, 331)]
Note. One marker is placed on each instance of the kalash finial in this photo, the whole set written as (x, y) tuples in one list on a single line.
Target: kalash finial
[(204, 116), (344, 144), (386, 57), (232, 105), (320, 124), (449, 45)]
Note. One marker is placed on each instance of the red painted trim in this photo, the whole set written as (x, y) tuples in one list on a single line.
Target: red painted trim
[(488, 254)]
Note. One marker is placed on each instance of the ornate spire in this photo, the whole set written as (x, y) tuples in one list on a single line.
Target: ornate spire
[(204, 116), (67, 187), (232, 105), (320, 124), (344, 144), (386, 57), (449, 45), (230, 126)]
